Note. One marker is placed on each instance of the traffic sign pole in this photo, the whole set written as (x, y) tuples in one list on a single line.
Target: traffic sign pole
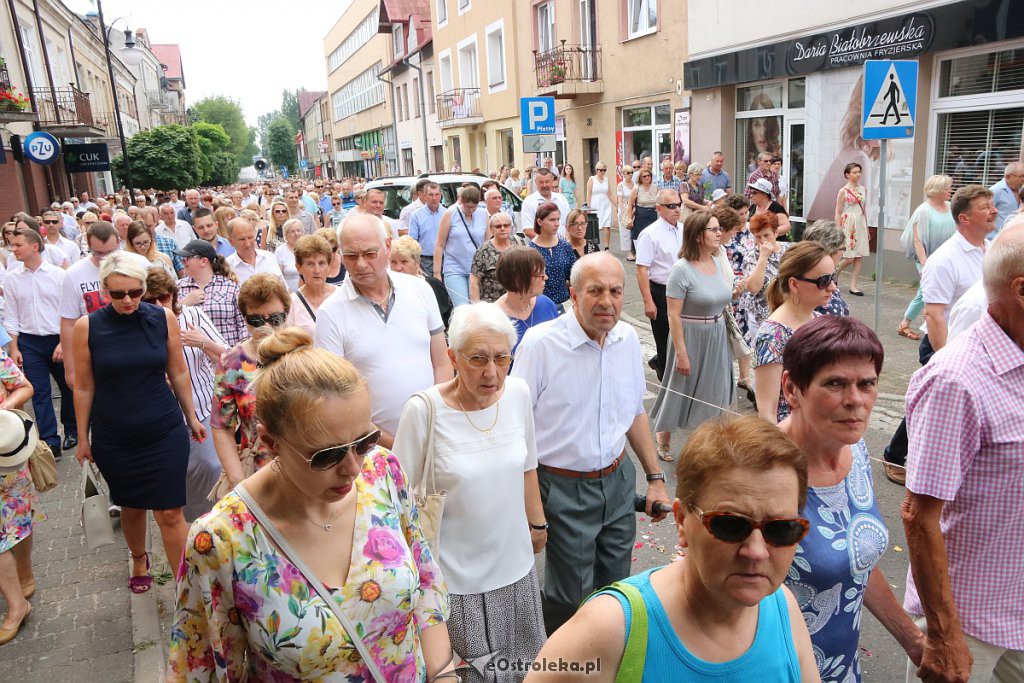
[(880, 238)]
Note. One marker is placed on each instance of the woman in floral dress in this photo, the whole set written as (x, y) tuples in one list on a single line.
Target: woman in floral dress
[(245, 611), (759, 259), (19, 507), (852, 217)]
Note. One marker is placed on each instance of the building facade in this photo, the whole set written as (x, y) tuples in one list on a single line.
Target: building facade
[(800, 94), (362, 110), (311, 145)]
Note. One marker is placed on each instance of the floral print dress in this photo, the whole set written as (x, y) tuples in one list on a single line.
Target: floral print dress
[(19, 502), (245, 612), (234, 403), (753, 308), (770, 343)]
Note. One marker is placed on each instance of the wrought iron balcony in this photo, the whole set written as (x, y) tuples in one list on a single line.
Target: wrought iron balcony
[(459, 107), (66, 111), (156, 101), (569, 70)]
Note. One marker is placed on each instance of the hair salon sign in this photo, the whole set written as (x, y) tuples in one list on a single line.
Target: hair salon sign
[(856, 45)]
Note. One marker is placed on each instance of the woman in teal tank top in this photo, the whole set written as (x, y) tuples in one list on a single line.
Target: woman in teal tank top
[(720, 613)]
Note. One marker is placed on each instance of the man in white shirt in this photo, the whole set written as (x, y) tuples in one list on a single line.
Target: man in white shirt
[(421, 197), (657, 249), (948, 274), (544, 181), (52, 221), (171, 226), (247, 259), (586, 378), (31, 300), (387, 324)]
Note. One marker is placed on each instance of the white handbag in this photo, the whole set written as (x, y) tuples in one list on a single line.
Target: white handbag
[(430, 504), (99, 530)]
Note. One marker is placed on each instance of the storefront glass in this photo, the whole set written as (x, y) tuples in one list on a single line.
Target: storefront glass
[(646, 131)]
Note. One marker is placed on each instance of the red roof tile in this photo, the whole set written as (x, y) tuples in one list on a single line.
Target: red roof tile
[(169, 55)]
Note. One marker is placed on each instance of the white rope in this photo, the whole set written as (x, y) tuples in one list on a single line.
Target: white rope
[(661, 387)]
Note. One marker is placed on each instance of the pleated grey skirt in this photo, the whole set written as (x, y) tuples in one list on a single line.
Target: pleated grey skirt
[(506, 622)]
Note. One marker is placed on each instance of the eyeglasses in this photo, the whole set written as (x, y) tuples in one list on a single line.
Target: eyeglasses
[(671, 207), (578, 224), (820, 282), (142, 246), (120, 294), (327, 458), (369, 255), (280, 210), (503, 225), (502, 360), (274, 319), (731, 527)]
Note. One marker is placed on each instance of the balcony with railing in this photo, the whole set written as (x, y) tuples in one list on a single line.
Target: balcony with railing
[(66, 112), (155, 100), (459, 107), (569, 71), (14, 106)]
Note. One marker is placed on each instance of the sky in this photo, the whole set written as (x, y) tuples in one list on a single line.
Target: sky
[(248, 51)]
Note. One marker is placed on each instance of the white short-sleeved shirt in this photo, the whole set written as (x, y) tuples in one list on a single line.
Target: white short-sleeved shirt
[(68, 248), (391, 350), (483, 474), (967, 310), (528, 212), (265, 263), (585, 396), (657, 248), (82, 291), (951, 271), (286, 262)]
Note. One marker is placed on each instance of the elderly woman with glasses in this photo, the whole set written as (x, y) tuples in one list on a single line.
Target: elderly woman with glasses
[(131, 392), (247, 609), (480, 428), (720, 612), (830, 381), (264, 302), (483, 282), (576, 233)]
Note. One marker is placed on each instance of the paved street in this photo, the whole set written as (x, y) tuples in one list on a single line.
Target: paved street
[(81, 628)]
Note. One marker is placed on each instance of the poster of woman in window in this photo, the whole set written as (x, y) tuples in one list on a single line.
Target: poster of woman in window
[(681, 148), (764, 133)]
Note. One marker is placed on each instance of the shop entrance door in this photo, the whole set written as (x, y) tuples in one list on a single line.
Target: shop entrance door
[(793, 170)]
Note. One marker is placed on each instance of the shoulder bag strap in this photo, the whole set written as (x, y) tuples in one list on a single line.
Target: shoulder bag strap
[(634, 657), (290, 553), (428, 455), (306, 304), (466, 226)]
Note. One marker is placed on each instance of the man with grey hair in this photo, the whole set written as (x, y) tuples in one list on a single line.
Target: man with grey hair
[(587, 381), (173, 227), (668, 179), (544, 181), (385, 323), (964, 510), (1006, 193), (191, 204), (69, 226), (247, 259)]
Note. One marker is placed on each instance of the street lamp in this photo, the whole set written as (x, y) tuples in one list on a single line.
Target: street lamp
[(132, 56)]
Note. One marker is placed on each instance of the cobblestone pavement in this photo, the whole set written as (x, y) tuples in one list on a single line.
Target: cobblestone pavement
[(81, 628)]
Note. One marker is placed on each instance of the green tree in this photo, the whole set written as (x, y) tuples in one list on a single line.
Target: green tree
[(218, 165), (281, 143), (290, 107), (251, 149), (165, 158), (262, 128), (228, 113)]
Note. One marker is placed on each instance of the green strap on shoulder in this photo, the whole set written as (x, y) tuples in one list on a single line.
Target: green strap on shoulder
[(631, 670)]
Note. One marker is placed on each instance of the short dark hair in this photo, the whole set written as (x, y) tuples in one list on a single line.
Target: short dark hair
[(544, 171), (961, 202), (826, 340), (431, 185), (516, 267), (422, 184), (693, 231), (737, 202), (32, 235), (201, 212), (846, 169), (543, 211), (101, 231)]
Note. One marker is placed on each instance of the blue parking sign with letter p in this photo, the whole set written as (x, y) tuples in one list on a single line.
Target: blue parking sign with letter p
[(537, 115)]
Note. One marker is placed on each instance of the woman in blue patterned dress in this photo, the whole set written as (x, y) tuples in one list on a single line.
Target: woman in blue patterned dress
[(759, 265), (830, 381), (557, 252)]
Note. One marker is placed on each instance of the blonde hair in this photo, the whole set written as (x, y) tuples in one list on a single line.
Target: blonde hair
[(119, 263), (330, 235), (223, 216), (407, 247), (937, 184), (295, 379)]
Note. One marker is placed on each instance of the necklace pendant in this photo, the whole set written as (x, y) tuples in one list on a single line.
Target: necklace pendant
[(327, 527)]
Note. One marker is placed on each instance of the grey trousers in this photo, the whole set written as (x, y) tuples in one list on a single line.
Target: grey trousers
[(202, 473), (591, 531)]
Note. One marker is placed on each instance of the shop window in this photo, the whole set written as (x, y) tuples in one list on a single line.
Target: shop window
[(991, 72), (646, 131), (643, 17), (975, 146), (768, 96)]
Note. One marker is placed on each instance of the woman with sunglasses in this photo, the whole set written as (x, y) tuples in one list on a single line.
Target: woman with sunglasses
[(202, 345), (830, 381), (336, 215), (622, 193), (483, 282), (245, 611), (131, 391), (719, 612), (807, 276), (600, 198), (277, 216), (139, 240), (485, 456), (641, 212), (264, 302), (696, 295)]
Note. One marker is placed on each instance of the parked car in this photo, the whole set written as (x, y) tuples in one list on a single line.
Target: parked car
[(399, 191)]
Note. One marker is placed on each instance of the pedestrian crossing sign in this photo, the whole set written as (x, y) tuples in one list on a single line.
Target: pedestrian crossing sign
[(890, 99)]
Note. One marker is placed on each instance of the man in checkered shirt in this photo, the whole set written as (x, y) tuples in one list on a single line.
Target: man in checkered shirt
[(964, 511)]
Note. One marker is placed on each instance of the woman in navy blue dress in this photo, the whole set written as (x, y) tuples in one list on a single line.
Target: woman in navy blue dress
[(557, 252), (124, 353)]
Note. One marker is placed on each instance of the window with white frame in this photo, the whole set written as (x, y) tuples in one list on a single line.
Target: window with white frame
[(546, 27), (431, 101), (361, 35), (464, 6), (446, 72), (33, 55), (442, 12), (496, 55), (642, 16), (979, 118), (469, 67), (646, 131), (362, 92), (415, 97), (398, 39)]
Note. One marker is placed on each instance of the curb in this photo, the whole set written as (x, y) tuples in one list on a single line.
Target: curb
[(147, 640)]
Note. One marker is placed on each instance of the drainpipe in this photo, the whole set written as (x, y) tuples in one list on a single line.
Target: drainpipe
[(394, 121), (423, 110), (46, 58)]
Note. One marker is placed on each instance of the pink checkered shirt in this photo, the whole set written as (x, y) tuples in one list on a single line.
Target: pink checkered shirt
[(965, 423)]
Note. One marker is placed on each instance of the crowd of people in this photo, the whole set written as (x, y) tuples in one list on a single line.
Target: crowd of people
[(355, 433)]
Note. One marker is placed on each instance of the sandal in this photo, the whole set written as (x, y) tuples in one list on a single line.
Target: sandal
[(28, 589), (9, 634), (140, 584), (908, 333), (631, 258), (664, 453)]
